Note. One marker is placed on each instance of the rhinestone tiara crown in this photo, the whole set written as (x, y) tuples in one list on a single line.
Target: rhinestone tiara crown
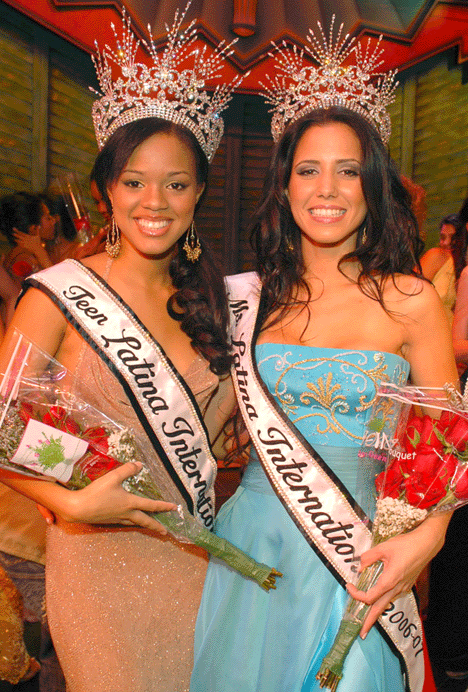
[(162, 90), (300, 88)]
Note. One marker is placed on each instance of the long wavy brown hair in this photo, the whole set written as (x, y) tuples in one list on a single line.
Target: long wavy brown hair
[(390, 245)]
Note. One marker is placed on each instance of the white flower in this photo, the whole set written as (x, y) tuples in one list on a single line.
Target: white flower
[(395, 517)]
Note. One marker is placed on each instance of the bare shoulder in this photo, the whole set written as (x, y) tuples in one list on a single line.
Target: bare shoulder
[(97, 263), (39, 318), (433, 253), (464, 275), (433, 260), (410, 295)]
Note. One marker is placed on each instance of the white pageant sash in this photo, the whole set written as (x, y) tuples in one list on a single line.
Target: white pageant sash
[(162, 401), (319, 504)]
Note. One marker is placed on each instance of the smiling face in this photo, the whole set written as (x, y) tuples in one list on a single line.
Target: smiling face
[(325, 191), (154, 197)]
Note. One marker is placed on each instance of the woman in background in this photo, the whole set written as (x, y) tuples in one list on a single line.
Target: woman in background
[(28, 225), (443, 265)]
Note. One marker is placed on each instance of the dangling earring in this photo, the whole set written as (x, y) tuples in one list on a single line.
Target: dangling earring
[(113, 240), (364, 235), (290, 244), (192, 245)]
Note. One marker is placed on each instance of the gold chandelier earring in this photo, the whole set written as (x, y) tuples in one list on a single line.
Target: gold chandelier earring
[(192, 247), (113, 240), (364, 235)]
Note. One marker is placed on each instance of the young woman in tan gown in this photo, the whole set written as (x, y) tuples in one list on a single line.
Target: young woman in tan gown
[(122, 600)]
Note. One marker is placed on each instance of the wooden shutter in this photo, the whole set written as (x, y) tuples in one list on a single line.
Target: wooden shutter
[(16, 111), (255, 161), (395, 112), (441, 142), (210, 217), (72, 144)]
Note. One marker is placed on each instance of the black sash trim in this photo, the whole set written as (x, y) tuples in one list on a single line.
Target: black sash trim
[(157, 446), (259, 318)]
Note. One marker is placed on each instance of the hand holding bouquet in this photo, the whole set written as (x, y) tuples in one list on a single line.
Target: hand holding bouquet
[(421, 468), (48, 432)]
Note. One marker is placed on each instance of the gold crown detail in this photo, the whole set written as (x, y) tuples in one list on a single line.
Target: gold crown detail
[(162, 90), (301, 88)]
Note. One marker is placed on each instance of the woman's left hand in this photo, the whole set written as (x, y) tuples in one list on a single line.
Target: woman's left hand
[(404, 557)]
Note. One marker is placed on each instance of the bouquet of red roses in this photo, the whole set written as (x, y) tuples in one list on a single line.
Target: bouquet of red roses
[(49, 432), (420, 466)]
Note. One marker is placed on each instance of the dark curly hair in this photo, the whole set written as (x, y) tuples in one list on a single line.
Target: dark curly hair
[(459, 240), (20, 210), (390, 245), (200, 302)]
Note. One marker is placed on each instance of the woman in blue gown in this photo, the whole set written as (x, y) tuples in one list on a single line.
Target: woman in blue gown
[(341, 309)]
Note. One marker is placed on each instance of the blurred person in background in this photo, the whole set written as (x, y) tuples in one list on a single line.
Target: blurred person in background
[(29, 227), (16, 665), (9, 290), (65, 240), (26, 221), (443, 264), (97, 243)]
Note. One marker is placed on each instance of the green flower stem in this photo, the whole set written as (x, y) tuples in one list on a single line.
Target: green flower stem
[(331, 669), (182, 525), (191, 529), (220, 548)]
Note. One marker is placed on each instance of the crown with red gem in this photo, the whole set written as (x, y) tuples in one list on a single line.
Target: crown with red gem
[(161, 89), (300, 87)]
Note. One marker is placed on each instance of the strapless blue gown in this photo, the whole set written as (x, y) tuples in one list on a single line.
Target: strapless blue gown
[(250, 641)]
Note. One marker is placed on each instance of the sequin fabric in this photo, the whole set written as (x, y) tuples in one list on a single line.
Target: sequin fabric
[(122, 602)]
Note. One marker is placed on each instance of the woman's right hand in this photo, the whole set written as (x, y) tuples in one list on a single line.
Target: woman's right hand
[(105, 501), (26, 241), (33, 244)]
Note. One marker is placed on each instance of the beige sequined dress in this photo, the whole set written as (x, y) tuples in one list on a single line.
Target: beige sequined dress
[(122, 602)]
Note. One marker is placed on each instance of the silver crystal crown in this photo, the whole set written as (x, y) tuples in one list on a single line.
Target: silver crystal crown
[(162, 90), (300, 88)]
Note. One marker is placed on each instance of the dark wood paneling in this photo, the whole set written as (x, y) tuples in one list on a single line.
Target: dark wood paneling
[(441, 143), (16, 110)]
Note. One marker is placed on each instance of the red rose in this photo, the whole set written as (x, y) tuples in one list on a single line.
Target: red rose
[(460, 486), (421, 436), (49, 420), (454, 428), (92, 433), (22, 269), (96, 465), (428, 466), (425, 465), (71, 426), (25, 412), (57, 412), (422, 496), (97, 438), (389, 482)]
